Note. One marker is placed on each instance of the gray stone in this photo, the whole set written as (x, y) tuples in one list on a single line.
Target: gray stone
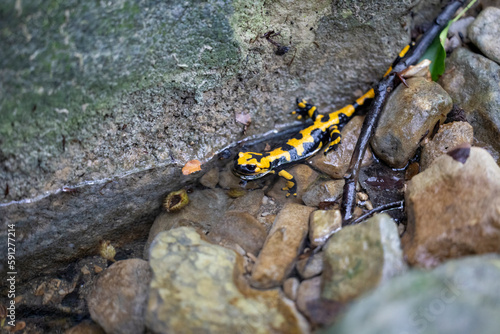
[(453, 209), (118, 300), (199, 287), (360, 257), (323, 191), (459, 297), (448, 137), (484, 32), (473, 83), (309, 291), (204, 212), (310, 266), (409, 115)]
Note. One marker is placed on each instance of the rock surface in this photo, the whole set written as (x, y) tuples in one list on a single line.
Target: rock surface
[(448, 137), (310, 266), (360, 257), (473, 83), (322, 223), (304, 175), (409, 115), (323, 191), (198, 287), (282, 246), (453, 209), (118, 301), (460, 297), (335, 163), (484, 32)]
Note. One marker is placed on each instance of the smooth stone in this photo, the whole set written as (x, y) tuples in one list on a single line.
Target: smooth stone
[(324, 191), (322, 224), (118, 300), (309, 291), (198, 287), (335, 163), (304, 175), (283, 244), (360, 257), (484, 32), (290, 287), (448, 137), (473, 83), (310, 266), (210, 178), (453, 209), (251, 202), (459, 297), (409, 115)]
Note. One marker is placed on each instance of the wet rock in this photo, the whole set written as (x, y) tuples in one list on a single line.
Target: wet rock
[(239, 228), (322, 223), (203, 212), (210, 178), (335, 163), (199, 287), (484, 32), (310, 266), (85, 327), (460, 297), (323, 191), (409, 115), (290, 287), (473, 84), (309, 291), (457, 33), (118, 300), (250, 203), (453, 209), (304, 175), (282, 246), (449, 136), (360, 257)]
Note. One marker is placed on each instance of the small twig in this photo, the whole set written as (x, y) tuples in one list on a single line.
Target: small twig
[(382, 90), (385, 207)]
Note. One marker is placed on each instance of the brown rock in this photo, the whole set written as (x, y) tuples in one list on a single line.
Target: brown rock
[(322, 223), (304, 175), (310, 266), (85, 327), (409, 115), (239, 228), (282, 246), (335, 163), (448, 137), (290, 287), (210, 178), (453, 209), (309, 291), (250, 203), (324, 191), (118, 300)]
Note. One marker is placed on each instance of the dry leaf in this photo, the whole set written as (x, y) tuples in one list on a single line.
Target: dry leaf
[(191, 167)]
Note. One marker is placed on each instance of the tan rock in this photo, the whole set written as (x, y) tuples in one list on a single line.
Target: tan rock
[(453, 209), (250, 203), (210, 178), (304, 175), (118, 300), (198, 287), (335, 163), (409, 115), (282, 246), (290, 287), (310, 266), (449, 136), (309, 291), (322, 223), (323, 191)]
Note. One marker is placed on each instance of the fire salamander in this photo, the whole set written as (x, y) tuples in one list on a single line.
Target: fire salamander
[(307, 142)]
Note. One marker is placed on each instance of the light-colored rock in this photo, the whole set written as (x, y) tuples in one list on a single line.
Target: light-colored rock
[(453, 209), (360, 257), (310, 266), (409, 115), (323, 191), (283, 244), (459, 297), (335, 163), (290, 287), (309, 291), (204, 211), (322, 223), (199, 287), (484, 32), (473, 83), (118, 300), (449, 136)]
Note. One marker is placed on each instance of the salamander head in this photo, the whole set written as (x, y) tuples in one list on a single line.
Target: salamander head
[(251, 165)]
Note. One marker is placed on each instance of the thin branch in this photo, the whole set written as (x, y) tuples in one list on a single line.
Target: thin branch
[(382, 91)]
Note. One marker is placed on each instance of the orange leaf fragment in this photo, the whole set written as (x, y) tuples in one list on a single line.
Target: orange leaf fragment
[(191, 167)]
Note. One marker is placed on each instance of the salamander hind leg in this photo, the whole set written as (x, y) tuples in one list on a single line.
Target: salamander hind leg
[(291, 184), (335, 139), (305, 110)]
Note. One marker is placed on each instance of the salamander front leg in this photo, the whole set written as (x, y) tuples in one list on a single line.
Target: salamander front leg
[(335, 139), (291, 184), (305, 110)]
